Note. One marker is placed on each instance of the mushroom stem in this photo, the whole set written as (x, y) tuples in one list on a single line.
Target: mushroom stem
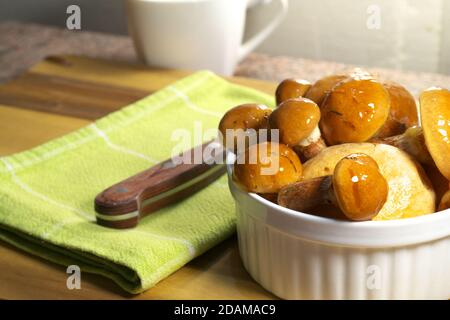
[(412, 141), (308, 194), (311, 145), (356, 187)]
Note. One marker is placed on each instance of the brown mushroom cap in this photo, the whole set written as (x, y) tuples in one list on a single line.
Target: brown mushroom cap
[(435, 118), (359, 187), (410, 192), (291, 89), (274, 166), (354, 111), (322, 87), (295, 119), (246, 116), (403, 112)]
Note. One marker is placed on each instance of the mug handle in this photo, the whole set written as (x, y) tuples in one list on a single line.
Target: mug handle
[(254, 41)]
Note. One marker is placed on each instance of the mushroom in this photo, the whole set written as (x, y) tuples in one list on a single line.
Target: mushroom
[(411, 141), (322, 87), (290, 89), (410, 191), (267, 167), (242, 122), (435, 119), (297, 121), (403, 112), (429, 143), (356, 187), (354, 111)]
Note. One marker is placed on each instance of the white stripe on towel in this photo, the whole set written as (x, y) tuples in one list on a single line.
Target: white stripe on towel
[(57, 226), (192, 105), (163, 270), (119, 148), (188, 244), (41, 196)]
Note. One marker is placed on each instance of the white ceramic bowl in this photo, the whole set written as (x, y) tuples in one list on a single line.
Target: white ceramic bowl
[(301, 256)]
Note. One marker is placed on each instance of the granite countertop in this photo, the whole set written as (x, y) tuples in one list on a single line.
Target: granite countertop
[(22, 45)]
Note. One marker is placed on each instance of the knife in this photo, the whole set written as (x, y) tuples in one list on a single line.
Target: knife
[(122, 205)]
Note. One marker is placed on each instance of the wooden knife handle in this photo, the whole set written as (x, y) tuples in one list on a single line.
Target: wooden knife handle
[(123, 204)]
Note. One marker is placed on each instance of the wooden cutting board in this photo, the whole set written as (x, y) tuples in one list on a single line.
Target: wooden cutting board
[(64, 93)]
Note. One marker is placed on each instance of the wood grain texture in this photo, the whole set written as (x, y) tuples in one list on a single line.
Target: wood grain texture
[(90, 89), (77, 98), (126, 75), (21, 129), (218, 274)]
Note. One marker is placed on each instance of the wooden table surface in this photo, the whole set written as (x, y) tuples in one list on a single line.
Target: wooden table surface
[(54, 98)]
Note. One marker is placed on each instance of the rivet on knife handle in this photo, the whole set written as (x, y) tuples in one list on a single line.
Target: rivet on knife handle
[(123, 204)]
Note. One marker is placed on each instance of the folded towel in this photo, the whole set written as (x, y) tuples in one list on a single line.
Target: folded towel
[(47, 193)]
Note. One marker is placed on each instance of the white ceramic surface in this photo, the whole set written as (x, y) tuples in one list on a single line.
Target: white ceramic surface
[(195, 34), (301, 256)]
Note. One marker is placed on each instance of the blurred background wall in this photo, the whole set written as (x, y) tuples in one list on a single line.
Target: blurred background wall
[(412, 34)]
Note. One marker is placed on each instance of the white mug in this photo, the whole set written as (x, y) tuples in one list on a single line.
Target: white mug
[(195, 34)]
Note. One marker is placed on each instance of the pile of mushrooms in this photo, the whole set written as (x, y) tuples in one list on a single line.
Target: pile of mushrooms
[(349, 146)]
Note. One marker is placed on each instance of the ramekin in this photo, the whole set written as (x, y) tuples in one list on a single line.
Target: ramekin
[(296, 255)]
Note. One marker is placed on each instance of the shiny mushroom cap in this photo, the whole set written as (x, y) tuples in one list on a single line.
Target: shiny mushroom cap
[(291, 89), (435, 118), (354, 111), (295, 119), (267, 167), (240, 119), (410, 191), (403, 113), (359, 187), (322, 87)]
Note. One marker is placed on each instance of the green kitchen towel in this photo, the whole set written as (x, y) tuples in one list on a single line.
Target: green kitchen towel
[(47, 193)]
